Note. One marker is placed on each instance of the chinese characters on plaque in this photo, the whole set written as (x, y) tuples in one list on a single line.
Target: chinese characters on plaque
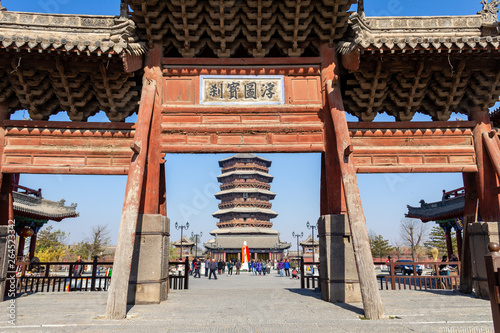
[(241, 89)]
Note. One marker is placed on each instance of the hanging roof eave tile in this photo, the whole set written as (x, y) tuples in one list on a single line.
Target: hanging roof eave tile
[(90, 34), (432, 33)]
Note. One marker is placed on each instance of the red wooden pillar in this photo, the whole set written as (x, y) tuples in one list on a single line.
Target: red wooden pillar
[(372, 302), (449, 244), (487, 182), (32, 246), (3, 116), (134, 193), (20, 247)]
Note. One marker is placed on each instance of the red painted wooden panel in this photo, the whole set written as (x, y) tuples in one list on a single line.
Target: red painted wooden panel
[(179, 91)]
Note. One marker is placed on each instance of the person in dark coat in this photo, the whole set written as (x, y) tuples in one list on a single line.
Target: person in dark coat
[(212, 266), (78, 267), (220, 266)]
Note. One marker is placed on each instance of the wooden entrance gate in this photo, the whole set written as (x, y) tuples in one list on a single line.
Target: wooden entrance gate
[(245, 76)]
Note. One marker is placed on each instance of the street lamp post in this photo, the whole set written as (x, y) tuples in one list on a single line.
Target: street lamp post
[(182, 227), (196, 236), (312, 227), (297, 235)]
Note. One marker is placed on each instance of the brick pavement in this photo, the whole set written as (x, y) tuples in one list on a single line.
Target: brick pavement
[(248, 303)]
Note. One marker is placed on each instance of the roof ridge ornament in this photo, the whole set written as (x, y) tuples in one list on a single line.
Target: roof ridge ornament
[(2, 7), (489, 11), (361, 8)]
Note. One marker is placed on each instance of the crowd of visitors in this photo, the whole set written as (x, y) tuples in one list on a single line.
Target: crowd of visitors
[(212, 267)]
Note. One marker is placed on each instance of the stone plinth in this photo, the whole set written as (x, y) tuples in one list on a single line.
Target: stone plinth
[(481, 233), (338, 274), (149, 275)]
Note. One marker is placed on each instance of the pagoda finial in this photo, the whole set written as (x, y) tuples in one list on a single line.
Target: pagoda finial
[(490, 10), (361, 8)]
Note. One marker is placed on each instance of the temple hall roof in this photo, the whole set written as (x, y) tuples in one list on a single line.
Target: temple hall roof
[(42, 209), (185, 242)]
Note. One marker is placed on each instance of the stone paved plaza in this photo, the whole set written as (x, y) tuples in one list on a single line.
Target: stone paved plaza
[(248, 303)]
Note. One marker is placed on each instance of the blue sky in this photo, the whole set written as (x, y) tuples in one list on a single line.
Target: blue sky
[(191, 179)]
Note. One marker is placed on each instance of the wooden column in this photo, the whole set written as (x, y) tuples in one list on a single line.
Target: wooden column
[(118, 291), (487, 182), (3, 116), (152, 194), (470, 216), (449, 244), (20, 247), (458, 234), (368, 282)]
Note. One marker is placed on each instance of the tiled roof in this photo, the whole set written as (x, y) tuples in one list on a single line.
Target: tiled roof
[(438, 211), (243, 231), (425, 34), (253, 242), (39, 208), (69, 33), (185, 242)]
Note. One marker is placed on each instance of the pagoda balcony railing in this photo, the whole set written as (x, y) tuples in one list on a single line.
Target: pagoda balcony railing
[(246, 168), (259, 204), (231, 224), (255, 184)]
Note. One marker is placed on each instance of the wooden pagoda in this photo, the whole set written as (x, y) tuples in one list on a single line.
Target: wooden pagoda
[(248, 76)]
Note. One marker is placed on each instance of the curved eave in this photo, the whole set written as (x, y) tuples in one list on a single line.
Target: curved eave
[(245, 172), (87, 34), (244, 156), (270, 194), (222, 212)]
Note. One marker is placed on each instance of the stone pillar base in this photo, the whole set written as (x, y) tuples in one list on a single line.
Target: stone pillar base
[(149, 274), (338, 273), (480, 234)]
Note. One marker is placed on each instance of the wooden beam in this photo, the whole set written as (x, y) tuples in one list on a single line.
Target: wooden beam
[(117, 295), (372, 302), (230, 62)]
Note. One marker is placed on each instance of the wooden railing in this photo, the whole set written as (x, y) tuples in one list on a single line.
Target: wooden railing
[(308, 281), (492, 261), (179, 278), (40, 278), (437, 279)]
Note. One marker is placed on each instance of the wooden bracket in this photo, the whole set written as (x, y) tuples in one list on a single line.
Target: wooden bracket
[(135, 147), (348, 150)]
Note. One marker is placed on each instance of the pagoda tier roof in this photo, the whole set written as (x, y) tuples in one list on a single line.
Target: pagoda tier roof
[(248, 210), (244, 156), (41, 209), (255, 240), (245, 172), (185, 242), (86, 34), (218, 195), (438, 211)]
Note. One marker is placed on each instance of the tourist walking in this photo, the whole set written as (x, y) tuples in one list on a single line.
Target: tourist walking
[(259, 267), (212, 266), (207, 261), (196, 265), (286, 265), (229, 268), (281, 267), (220, 265), (78, 269), (268, 267), (238, 266)]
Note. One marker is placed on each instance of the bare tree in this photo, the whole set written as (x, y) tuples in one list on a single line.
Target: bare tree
[(94, 244), (413, 233)]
